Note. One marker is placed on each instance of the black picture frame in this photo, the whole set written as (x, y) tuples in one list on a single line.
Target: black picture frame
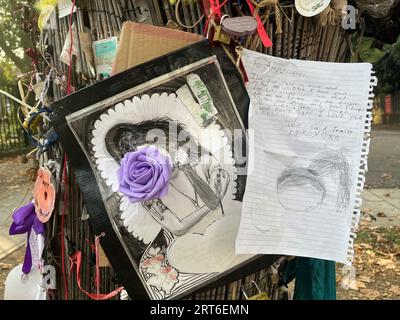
[(86, 179)]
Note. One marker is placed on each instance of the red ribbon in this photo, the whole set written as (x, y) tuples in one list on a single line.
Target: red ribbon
[(62, 235), (76, 261), (260, 28), (213, 12), (216, 8)]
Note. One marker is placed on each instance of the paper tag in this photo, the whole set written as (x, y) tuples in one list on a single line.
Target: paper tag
[(65, 56), (36, 242), (64, 8), (103, 260), (86, 44)]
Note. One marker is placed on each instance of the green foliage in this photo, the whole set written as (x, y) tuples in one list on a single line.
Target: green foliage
[(386, 62), (388, 69), (8, 72), (372, 55), (18, 33), (364, 49)]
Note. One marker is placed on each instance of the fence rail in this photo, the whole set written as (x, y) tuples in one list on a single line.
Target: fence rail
[(12, 135)]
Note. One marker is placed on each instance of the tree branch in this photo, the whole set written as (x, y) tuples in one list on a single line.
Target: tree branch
[(19, 62)]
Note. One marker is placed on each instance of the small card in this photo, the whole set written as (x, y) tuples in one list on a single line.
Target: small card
[(105, 52)]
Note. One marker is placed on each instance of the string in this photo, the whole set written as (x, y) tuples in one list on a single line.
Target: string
[(97, 244), (178, 18), (62, 229), (70, 48), (65, 163)]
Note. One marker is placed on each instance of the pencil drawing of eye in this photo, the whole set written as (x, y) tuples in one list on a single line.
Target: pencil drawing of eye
[(309, 183)]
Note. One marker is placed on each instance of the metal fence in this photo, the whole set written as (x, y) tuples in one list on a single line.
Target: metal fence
[(12, 135)]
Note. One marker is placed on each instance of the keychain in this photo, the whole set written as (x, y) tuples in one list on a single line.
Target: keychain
[(261, 295), (220, 35), (273, 270)]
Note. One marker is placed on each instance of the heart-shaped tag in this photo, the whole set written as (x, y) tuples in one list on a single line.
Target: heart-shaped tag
[(239, 26)]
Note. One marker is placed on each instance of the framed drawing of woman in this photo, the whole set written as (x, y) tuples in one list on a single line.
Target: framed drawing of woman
[(183, 109)]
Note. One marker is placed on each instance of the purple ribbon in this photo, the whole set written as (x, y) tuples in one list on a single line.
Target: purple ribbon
[(25, 220)]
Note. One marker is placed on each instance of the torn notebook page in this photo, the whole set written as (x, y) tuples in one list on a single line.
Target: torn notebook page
[(311, 123)]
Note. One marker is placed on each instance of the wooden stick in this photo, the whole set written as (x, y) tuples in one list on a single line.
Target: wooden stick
[(91, 22), (304, 38), (343, 48), (290, 35), (106, 15), (199, 14), (335, 44), (167, 9), (112, 17), (107, 31), (132, 11), (117, 15), (285, 38), (194, 16), (321, 44), (79, 28), (271, 35), (186, 16), (310, 31), (155, 12), (328, 43), (278, 45), (98, 19), (317, 40), (298, 20)]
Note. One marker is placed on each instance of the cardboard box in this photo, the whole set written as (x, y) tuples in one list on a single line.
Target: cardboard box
[(140, 43)]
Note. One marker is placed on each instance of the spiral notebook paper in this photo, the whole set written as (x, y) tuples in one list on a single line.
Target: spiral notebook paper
[(310, 124)]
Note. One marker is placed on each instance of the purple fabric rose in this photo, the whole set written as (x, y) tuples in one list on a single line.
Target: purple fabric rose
[(144, 175)]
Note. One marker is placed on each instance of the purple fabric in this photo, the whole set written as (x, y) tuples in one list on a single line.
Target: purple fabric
[(25, 220), (144, 175)]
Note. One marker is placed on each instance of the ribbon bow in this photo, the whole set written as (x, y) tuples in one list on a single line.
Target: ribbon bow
[(25, 221)]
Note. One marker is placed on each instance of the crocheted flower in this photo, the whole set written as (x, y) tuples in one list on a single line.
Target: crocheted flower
[(44, 195)]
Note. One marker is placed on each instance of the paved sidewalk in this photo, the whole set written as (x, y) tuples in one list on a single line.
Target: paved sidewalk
[(15, 190), (383, 205)]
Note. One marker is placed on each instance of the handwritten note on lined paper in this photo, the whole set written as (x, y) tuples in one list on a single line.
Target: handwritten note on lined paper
[(311, 123)]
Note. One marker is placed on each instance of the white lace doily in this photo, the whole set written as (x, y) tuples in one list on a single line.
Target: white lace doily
[(135, 218)]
